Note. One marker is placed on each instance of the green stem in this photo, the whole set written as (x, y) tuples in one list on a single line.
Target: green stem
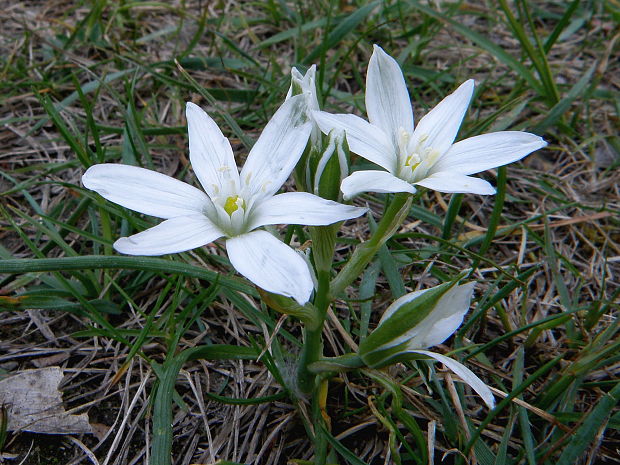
[(394, 215), (312, 349), (323, 244)]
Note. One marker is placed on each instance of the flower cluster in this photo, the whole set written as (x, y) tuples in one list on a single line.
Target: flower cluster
[(235, 204)]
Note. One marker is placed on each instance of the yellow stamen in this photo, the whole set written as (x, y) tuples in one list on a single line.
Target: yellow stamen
[(413, 161), (232, 204)]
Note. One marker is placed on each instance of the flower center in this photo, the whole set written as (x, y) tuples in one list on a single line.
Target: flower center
[(233, 203), (415, 161)]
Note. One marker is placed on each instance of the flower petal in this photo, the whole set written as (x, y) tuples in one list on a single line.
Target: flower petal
[(465, 374), (438, 128), (443, 320), (211, 154), (363, 138), (174, 235), (456, 183), (145, 191), (271, 265), (373, 181), (277, 150), (302, 208), (387, 101), (480, 153)]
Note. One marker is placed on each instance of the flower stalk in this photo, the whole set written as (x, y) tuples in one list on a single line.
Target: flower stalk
[(394, 215)]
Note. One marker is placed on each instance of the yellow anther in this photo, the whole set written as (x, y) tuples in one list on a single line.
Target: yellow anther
[(412, 161), (232, 204)]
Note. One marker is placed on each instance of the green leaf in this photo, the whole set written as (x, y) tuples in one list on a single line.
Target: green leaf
[(494, 49), (94, 262), (25, 302), (556, 112), (343, 28), (346, 454), (593, 426)]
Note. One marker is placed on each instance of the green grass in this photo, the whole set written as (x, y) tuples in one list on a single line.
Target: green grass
[(106, 81)]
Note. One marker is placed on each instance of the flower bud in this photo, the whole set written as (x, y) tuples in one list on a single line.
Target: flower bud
[(420, 320), (417, 320), (331, 167)]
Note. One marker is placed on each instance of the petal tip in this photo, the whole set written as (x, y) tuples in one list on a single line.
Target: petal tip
[(193, 108), (468, 87), (123, 245)]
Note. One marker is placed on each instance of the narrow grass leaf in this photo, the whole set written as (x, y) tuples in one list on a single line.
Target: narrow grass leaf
[(344, 27), (558, 110), (292, 33), (524, 421), (92, 262), (592, 426), (451, 214), (494, 49), (540, 373), (496, 215), (345, 453), (85, 89), (561, 25), (251, 401), (366, 294)]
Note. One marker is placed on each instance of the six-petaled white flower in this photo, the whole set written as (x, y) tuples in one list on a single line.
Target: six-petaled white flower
[(426, 156), (235, 204)]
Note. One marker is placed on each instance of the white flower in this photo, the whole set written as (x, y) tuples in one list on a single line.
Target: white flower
[(426, 156), (420, 320), (235, 204)]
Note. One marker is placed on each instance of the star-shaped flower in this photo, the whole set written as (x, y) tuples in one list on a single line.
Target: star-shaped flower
[(426, 156), (235, 204)]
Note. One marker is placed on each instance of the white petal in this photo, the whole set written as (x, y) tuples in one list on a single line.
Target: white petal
[(465, 374), (301, 208), (454, 183), (373, 181), (438, 128), (363, 138), (444, 319), (211, 154), (173, 235), (480, 153), (387, 101), (271, 265), (145, 191), (277, 150)]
